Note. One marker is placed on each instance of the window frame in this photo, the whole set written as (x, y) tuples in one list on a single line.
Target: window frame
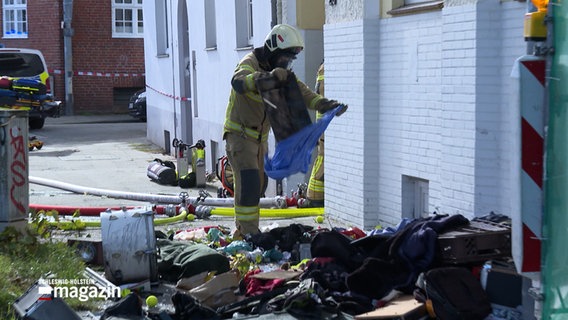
[(136, 18), (411, 2), (162, 28), (417, 6), (13, 8), (210, 25), (244, 26)]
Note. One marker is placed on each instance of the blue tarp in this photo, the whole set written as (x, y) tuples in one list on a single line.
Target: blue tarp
[(294, 154)]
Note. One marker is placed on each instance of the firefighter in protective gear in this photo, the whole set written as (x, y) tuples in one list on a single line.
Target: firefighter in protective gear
[(315, 192), (247, 126)]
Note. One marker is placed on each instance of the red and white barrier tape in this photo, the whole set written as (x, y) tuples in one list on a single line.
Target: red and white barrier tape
[(99, 74), (169, 95), (116, 74)]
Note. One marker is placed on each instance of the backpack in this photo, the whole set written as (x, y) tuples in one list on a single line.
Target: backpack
[(452, 293)]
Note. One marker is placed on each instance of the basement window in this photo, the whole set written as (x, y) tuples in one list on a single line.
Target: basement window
[(15, 19), (416, 6), (414, 197)]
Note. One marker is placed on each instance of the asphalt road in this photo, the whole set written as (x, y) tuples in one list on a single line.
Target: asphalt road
[(103, 152)]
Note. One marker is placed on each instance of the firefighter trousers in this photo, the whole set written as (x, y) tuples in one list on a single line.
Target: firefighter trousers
[(247, 162), (315, 192)]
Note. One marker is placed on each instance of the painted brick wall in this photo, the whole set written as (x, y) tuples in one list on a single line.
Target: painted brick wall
[(429, 98), (458, 114), (410, 126), (344, 147), (489, 110), (511, 49), (94, 50)]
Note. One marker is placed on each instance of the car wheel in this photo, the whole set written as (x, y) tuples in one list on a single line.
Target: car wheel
[(36, 123)]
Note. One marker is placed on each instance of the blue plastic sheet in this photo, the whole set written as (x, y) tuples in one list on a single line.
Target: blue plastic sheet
[(294, 154)]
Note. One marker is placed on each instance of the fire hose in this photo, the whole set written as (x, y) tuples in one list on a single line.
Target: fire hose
[(264, 213), (201, 206), (278, 202)]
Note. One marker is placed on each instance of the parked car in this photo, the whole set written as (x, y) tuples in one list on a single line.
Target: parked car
[(137, 105), (26, 84)]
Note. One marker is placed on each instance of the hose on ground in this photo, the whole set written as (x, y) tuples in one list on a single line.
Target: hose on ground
[(95, 224), (279, 202), (206, 211)]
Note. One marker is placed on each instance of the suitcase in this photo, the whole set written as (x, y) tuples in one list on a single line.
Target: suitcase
[(476, 242), (129, 245)]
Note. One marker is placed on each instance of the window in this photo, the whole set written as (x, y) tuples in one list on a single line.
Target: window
[(243, 12), (210, 25), (127, 19), (162, 35), (15, 15), (400, 7), (414, 197)]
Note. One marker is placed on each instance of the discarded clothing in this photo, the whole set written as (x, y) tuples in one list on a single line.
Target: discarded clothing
[(285, 105), (255, 286), (294, 154), (180, 259)]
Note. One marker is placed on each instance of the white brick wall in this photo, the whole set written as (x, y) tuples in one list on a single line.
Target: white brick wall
[(345, 148), (458, 110), (428, 96)]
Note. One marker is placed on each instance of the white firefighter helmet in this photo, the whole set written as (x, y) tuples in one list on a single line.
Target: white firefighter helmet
[(284, 37)]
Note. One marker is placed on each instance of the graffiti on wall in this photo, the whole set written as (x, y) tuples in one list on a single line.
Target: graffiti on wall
[(18, 168)]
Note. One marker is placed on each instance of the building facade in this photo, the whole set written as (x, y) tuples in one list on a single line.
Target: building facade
[(192, 48), (431, 125), (105, 48)]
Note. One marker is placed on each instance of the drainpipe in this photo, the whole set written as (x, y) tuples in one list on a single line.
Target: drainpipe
[(68, 54)]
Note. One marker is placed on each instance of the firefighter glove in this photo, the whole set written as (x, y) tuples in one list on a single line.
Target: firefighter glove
[(327, 105), (342, 110), (279, 74)]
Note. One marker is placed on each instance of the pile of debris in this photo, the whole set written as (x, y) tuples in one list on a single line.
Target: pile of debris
[(427, 267)]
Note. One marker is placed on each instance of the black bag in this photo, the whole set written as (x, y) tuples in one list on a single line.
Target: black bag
[(162, 172), (188, 181), (454, 294), (188, 308)]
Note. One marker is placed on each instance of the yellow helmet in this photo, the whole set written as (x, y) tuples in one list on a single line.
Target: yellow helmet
[(284, 37)]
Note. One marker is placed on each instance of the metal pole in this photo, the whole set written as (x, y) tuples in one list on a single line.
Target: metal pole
[(68, 54)]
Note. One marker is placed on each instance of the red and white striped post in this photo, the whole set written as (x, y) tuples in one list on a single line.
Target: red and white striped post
[(527, 253)]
